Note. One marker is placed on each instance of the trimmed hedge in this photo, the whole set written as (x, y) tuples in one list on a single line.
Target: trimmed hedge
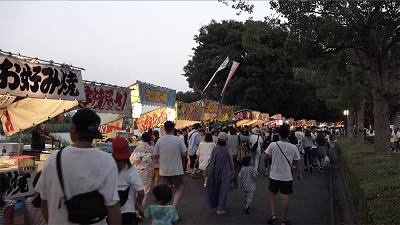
[(373, 181)]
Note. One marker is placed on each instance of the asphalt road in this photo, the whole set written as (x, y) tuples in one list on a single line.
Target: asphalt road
[(311, 202)]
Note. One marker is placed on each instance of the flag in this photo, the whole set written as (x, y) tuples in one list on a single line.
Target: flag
[(235, 65), (221, 67)]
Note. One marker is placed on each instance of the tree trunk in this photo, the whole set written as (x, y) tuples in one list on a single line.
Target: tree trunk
[(350, 123), (381, 124), (360, 119)]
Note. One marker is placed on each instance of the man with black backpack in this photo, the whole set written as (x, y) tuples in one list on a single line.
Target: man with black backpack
[(80, 185)]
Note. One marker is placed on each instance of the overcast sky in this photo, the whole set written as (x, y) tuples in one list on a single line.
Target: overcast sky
[(116, 42)]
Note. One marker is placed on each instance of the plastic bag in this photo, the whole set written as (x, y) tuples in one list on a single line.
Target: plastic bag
[(326, 161)]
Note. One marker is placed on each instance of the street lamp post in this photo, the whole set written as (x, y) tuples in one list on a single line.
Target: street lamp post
[(346, 113)]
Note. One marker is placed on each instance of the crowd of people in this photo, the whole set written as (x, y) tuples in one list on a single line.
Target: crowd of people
[(86, 185)]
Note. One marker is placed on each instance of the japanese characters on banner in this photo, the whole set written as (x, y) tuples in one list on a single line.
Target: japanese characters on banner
[(242, 114), (154, 118), (211, 107), (226, 113), (21, 184), (156, 96), (110, 130), (104, 99), (190, 112), (22, 78)]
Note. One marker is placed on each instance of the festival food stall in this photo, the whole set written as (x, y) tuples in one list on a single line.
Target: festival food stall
[(144, 94), (277, 120), (32, 91), (247, 117), (187, 114)]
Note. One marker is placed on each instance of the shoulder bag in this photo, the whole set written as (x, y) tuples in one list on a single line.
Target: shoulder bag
[(241, 152), (255, 145), (290, 165), (86, 208)]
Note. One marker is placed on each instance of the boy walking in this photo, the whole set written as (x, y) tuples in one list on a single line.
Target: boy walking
[(248, 181)]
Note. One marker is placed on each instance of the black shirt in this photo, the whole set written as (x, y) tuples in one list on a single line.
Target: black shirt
[(36, 141)]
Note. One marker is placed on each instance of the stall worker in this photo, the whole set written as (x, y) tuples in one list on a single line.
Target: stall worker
[(39, 137)]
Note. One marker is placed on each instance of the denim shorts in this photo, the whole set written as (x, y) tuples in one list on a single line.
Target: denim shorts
[(321, 152)]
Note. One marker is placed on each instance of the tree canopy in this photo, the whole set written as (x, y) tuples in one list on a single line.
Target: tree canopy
[(264, 80)]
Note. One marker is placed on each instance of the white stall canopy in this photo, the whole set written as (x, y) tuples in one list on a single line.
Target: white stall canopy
[(32, 92)]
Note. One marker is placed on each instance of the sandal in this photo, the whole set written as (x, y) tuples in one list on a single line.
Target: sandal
[(286, 223), (246, 210), (221, 212), (272, 219)]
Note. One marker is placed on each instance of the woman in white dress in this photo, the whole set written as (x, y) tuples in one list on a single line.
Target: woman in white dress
[(204, 155)]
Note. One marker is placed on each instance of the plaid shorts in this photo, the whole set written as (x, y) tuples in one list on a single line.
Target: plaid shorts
[(248, 196)]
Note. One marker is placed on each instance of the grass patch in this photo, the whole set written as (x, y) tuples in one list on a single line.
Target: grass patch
[(373, 181)]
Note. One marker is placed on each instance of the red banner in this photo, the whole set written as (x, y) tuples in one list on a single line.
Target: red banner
[(152, 119)]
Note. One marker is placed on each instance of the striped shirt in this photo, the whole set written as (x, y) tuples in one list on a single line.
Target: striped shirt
[(35, 215), (8, 203)]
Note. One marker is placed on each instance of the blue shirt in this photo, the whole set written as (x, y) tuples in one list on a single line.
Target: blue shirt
[(194, 142)]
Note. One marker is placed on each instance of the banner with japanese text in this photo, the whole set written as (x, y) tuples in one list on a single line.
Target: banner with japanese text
[(106, 99), (152, 119), (211, 107), (156, 96), (21, 184), (242, 114), (22, 78), (226, 113), (184, 111)]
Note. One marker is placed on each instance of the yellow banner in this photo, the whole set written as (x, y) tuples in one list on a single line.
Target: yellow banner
[(226, 113), (190, 112), (152, 119)]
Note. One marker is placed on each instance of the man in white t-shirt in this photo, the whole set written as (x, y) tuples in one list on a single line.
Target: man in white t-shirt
[(280, 176), (392, 139), (84, 169), (170, 149)]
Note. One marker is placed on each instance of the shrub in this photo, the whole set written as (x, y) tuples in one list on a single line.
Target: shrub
[(373, 181)]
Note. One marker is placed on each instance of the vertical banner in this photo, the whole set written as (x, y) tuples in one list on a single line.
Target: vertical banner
[(221, 67), (235, 65)]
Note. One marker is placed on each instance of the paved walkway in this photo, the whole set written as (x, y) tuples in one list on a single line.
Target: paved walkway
[(311, 202)]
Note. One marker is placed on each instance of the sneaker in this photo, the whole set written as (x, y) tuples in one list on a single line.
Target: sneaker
[(305, 169), (187, 171), (193, 176), (266, 172), (322, 171), (205, 184)]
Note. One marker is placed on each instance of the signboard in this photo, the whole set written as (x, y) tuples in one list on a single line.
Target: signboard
[(211, 107), (105, 99), (26, 165), (226, 113), (152, 119), (190, 112), (21, 184), (22, 78), (242, 114), (156, 96), (108, 129)]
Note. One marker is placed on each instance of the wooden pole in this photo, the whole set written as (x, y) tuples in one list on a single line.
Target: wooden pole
[(19, 143)]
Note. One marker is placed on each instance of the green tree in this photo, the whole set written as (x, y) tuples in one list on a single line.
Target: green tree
[(188, 97), (264, 80), (370, 28)]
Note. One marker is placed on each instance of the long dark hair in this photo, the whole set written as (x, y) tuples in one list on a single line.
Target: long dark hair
[(221, 142), (4, 186), (208, 138), (122, 163), (37, 202)]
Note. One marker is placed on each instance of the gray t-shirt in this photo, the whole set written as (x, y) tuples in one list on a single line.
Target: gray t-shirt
[(233, 142), (170, 149)]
